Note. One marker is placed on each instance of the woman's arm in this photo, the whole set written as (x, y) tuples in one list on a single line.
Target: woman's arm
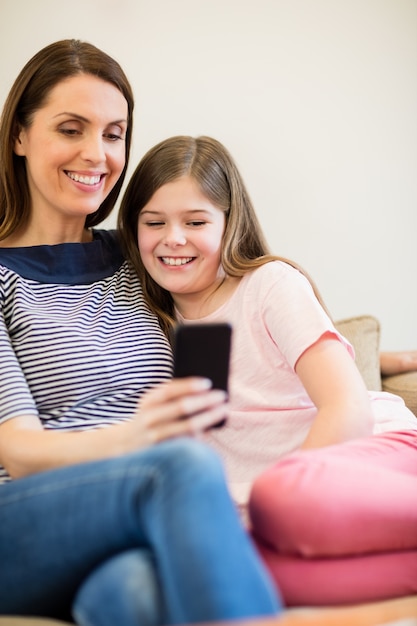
[(335, 386), (392, 363), (26, 448)]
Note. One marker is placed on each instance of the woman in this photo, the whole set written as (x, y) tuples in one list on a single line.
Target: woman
[(102, 491), (330, 469)]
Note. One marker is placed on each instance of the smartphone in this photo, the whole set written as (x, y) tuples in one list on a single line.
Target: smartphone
[(203, 350)]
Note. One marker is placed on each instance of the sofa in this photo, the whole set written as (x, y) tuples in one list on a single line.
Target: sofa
[(363, 332), (398, 612)]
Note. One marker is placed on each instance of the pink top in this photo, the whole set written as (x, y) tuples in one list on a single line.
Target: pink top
[(276, 317)]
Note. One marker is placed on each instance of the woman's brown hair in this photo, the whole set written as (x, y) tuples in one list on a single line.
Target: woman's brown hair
[(209, 163), (51, 65)]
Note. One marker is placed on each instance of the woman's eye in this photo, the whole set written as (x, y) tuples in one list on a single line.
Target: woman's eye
[(69, 131), (113, 137)]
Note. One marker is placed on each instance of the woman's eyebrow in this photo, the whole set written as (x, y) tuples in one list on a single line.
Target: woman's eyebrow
[(85, 119)]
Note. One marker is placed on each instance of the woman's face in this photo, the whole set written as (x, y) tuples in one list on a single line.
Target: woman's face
[(74, 148)]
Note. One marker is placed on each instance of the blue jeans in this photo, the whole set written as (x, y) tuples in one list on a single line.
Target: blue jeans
[(123, 590), (58, 528)]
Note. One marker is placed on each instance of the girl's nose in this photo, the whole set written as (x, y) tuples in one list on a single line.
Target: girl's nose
[(175, 237)]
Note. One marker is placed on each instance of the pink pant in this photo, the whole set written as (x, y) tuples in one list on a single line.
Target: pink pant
[(339, 524)]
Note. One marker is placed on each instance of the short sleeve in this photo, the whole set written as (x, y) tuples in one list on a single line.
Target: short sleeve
[(294, 317), (15, 397)]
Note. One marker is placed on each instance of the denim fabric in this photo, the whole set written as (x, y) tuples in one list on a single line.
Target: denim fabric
[(123, 590), (58, 527)]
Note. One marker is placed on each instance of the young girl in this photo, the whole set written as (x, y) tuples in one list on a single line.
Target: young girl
[(330, 468), (109, 510)]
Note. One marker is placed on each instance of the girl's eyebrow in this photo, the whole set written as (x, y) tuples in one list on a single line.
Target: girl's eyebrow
[(154, 212)]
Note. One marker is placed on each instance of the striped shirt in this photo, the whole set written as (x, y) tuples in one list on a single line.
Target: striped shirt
[(78, 343)]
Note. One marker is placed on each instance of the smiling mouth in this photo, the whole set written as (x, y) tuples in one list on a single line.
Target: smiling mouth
[(169, 260), (85, 180)]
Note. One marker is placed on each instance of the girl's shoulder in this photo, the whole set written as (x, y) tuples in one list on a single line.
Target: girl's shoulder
[(277, 274)]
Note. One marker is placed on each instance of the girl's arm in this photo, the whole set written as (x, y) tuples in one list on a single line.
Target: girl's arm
[(26, 448), (336, 387)]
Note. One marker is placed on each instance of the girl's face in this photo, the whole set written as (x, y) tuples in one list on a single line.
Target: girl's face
[(74, 148), (180, 236)]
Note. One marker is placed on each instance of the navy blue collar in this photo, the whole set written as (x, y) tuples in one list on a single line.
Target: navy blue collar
[(67, 263)]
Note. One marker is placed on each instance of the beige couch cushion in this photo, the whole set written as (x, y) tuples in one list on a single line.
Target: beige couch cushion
[(30, 621), (363, 332)]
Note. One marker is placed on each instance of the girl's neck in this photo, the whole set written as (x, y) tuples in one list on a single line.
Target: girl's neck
[(194, 306)]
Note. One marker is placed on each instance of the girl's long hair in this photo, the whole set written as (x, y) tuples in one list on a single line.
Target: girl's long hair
[(207, 161)]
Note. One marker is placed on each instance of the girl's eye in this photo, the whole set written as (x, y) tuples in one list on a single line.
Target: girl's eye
[(154, 223), (197, 223)]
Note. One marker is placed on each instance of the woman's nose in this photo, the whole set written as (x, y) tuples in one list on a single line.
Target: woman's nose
[(93, 149)]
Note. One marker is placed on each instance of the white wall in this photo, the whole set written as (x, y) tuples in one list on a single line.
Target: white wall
[(317, 101)]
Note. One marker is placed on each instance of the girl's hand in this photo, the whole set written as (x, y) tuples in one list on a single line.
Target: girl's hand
[(185, 406)]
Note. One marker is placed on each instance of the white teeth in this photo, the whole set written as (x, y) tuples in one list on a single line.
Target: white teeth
[(168, 260), (86, 180)]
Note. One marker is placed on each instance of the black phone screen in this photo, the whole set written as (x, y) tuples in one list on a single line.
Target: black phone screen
[(203, 350)]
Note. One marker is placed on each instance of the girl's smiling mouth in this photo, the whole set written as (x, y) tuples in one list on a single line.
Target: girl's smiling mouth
[(176, 260)]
